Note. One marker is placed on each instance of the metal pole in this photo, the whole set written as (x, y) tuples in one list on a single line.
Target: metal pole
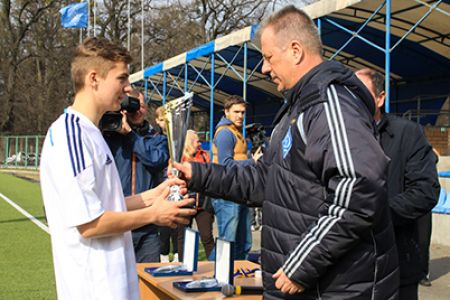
[(129, 26), (95, 13), (7, 148), (387, 51), (244, 88), (319, 26), (211, 107), (36, 152), (89, 19), (17, 146), (142, 34), (164, 87), (26, 151), (186, 78), (146, 91)]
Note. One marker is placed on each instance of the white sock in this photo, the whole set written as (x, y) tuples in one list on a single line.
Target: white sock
[(175, 257), (164, 258)]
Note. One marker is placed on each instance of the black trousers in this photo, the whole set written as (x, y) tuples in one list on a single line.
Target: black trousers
[(424, 238), (166, 234), (409, 292)]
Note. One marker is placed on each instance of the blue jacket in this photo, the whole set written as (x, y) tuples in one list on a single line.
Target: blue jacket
[(225, 142), (152, 156)]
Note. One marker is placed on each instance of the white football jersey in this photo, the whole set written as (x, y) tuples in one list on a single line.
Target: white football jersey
[(79, 182)]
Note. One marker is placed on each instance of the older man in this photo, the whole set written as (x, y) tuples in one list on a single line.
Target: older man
[(413, 186), (327, 232)]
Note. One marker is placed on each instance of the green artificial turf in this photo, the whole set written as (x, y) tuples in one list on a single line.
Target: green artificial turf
[(26, 268)]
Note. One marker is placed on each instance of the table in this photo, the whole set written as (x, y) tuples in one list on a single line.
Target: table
[(161, 287)]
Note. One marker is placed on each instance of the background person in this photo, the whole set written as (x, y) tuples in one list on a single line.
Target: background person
[(205, 213), (412, 184), (327, 232), (230, 149), (89, 219), (141, 155)]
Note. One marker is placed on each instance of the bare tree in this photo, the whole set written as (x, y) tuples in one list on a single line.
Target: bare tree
[(34, 70), (220, 17), (44, 86), (170, 33), (16, 20)]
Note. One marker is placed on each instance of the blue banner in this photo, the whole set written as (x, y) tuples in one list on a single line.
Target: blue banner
[(74, 15)]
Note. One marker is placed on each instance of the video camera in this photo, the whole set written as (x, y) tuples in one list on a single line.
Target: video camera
[(257, 135), (112, 120)]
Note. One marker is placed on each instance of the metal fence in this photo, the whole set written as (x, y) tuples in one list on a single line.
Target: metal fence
[(21, 151)]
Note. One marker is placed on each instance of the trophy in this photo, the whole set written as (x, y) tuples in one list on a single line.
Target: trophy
[(176, 115)]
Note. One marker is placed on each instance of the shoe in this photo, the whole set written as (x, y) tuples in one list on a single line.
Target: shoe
[(425, 282), (175, 257), (164, 258)]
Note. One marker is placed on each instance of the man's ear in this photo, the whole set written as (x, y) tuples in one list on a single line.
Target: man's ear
[(91, 79), (297, 51), (380, 99)]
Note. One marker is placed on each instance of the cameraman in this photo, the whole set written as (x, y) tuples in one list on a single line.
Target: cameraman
[(141, 154)]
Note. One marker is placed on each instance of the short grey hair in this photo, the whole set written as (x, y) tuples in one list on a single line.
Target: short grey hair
[(376, 78), (292, 23)]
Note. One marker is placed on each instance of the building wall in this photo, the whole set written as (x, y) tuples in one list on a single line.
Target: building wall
[(439, 138)]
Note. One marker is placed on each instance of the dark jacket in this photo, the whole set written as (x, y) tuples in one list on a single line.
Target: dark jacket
[(152, 156), (413, 189), (321, 184)]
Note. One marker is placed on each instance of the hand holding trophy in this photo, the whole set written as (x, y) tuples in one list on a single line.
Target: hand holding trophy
[(176, 116)]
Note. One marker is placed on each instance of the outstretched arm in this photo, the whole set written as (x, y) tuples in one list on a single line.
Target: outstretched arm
[(237, 183)]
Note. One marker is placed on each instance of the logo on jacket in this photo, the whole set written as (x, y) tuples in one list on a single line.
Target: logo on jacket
[(286, 143), (108, 160)]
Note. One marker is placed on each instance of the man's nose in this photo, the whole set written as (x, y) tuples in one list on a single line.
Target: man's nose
[(127, 88)]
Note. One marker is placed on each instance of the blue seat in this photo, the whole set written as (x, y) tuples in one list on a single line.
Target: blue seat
[(440, 206), (444, 174), (446, 205)]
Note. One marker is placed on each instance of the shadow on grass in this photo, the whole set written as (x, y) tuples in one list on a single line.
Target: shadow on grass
[(40, 218), (439, 267)]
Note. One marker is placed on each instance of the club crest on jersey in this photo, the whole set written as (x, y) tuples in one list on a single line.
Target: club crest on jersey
[(286, 143)]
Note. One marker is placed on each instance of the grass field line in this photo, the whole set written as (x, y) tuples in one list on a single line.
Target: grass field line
[(25, 213)]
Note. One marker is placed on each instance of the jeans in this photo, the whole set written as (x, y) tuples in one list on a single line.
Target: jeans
[(146, 247), (234, 225)]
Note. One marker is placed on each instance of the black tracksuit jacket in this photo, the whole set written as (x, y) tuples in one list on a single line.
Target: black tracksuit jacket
[(321, 184), (413, 190)]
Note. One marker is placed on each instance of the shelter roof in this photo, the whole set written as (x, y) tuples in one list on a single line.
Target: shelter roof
[(422, 52)]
